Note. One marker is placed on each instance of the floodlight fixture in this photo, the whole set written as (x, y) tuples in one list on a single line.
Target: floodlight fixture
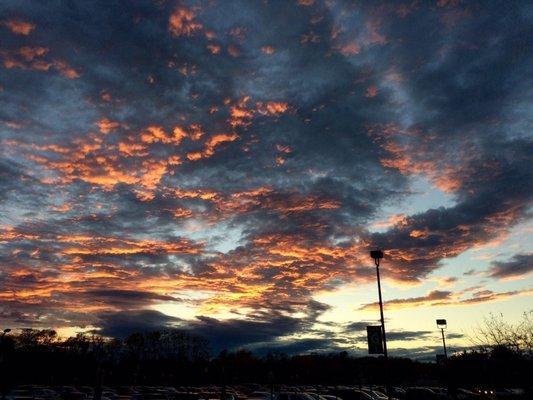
[(377, 255)]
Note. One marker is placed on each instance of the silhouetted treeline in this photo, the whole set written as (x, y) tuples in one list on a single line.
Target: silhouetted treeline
[(176, 358)]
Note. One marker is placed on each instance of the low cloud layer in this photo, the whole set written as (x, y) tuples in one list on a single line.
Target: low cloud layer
[(518, 266)]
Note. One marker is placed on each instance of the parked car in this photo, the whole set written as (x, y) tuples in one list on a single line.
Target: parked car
[(260, 395), (19, 394), (376, 394), (464, 394), (293, 396), (351, 394)]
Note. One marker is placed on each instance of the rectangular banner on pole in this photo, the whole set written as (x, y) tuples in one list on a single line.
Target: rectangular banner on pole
[(375, 339)]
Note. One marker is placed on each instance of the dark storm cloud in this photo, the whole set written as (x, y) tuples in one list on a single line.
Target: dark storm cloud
[(519, 265), (124, 298), (135, 144), (455, 335), (359, 327), (259, 336), (236, 333), (408, 335), (264, 329), (299, 346), (260, 332), (123, 324)]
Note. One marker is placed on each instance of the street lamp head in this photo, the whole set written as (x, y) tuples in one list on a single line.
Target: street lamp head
[(376, 255), (441, 323)]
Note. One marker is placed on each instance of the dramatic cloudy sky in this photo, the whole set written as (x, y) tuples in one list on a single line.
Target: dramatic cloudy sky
[(225, 166)]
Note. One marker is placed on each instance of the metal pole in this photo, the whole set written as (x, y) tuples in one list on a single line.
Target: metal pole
[(444, 343), (381, 312), (383, 328)]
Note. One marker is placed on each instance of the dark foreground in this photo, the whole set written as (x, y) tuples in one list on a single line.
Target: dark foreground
[(259, 392)]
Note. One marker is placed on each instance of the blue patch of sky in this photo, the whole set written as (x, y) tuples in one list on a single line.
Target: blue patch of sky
[(422, 197)]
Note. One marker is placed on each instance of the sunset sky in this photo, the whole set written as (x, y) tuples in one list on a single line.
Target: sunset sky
[(226, 166)]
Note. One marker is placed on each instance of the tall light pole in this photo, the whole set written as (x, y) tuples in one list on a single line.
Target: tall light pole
[(441, 324), (377, 255)]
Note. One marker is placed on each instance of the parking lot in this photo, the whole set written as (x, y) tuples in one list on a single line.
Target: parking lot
[(258, 392)]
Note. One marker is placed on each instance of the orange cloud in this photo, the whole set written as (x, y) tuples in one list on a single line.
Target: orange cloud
[(66, 70), (132, 149), (240, 114), (105, 125), (182, 22), (63, 208), (268, 50), (19, 27), (233, 50), (112, 246), (194, 155), (181, 212), (195, 132), (33, 58), (390, 222), (96, 160), (350, 49), (260, 198), (211, 144), (410, 155), (284, 149), (214, 48), (30, 53), (272, 108), (215, 140)]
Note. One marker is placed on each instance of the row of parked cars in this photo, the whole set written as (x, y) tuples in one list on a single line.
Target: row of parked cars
[(256, 392)]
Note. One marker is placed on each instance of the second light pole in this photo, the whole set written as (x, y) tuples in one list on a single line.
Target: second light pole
[(441, 324)]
